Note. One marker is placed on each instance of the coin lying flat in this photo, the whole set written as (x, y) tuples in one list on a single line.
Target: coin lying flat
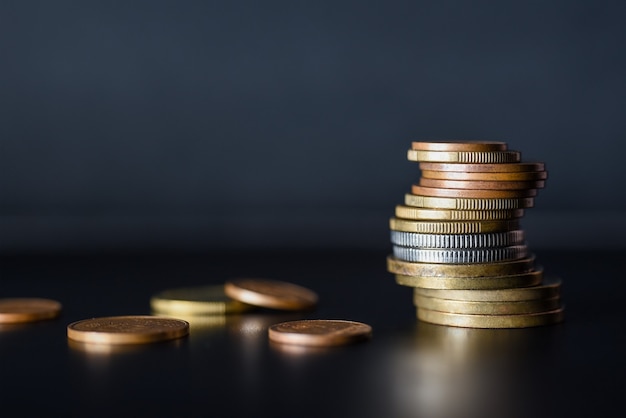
[(549, 288), (408, 212), (486, 308), (471, 193), (452, 227), (319, 332), (18, 310), (456, 203), (502, 268), (470, 157), (505, 282), (271, 294), (463, 175), (482, 184), (201, 300), (491, 321), (483, 168), (138, 329), (459, 145)]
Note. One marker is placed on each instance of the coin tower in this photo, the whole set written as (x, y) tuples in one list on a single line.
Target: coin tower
[(458, 242)]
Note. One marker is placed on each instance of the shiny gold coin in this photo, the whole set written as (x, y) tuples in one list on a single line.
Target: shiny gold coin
[(459, 145), (319, 332), (491, 321), (18, 310), (486, 308), (138, 329), (453, 227), (448, 283), (271, 294), (549, 288), (202, 300), (483, 168), (481, 194), (482, 184), (465, 176), (470, 157), (503, 268), (408, 212), (467, 203)]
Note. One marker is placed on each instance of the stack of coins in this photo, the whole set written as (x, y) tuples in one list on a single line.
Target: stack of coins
[(457, 239)]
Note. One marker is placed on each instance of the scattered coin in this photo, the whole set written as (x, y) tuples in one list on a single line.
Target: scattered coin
[(139, 329), (319, 332), (491, 321), (470, 157), (271, 294), (459, 146), (201, 300), (506, 282), (18, 310)]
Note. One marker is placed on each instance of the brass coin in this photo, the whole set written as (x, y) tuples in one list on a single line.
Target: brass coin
[(486, 308), (453, 227), (319, 332), (503, 268), (459, 145), (470, 157), (408, 212), (461, 193), (455, 203), (549, 288), (491, 321), (484, 168), (464, 176), (505, 282), (17, 310), (138, 329), (201, 300), (271, 294), (482, 184)]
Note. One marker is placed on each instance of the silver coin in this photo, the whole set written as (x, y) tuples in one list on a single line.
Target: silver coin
[(460, 256), (493, 239)]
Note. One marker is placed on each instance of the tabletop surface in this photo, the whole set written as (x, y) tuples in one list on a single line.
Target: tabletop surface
[(227, 367)]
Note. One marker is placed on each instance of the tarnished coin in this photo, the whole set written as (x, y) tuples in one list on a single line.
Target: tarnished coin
[(464, 193), (484, 168), (18, 310), (456, 203), (452, 227), (459, 145), (319, 332), (271, 294), (549, 288), (486, 308), (137, 329), (503, 268), (409, 212), (452, 241), (460, 255), (470, 157), (491, 321), (482, 184), (464, 176), (505, 282), (201, 300)]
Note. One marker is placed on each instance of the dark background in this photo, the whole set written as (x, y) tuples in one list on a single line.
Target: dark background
[(195, 125)]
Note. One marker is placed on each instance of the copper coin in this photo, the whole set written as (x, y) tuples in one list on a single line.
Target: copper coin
[(488, 194), (16, 310), (319, 332), (137, 329), (465, 157), (461, 175), (459, 146), (483, 168), (482, 184), (271, 294)]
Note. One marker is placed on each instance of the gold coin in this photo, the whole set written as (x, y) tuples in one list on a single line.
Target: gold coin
[(459, 145), (408, 212), (319, 332), (503, 268), (455, 203), (482, 194), (486, 308), (484, 168), (138, 329), (505, 282), (271, 294), (476, 157), (550, 288), (202, 300), (453, 227), (464, 176), (491, 321), (482, 184), (17, 310)]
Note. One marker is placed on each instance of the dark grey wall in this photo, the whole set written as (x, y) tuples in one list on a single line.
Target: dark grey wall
[(194, 124)]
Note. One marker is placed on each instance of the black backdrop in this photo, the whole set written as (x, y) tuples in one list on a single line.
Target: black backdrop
[(195, 124)]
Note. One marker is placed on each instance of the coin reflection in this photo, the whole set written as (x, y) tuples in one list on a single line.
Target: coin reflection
[(295, 350), (103, 350)]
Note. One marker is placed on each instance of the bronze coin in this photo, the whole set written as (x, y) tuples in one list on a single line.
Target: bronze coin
[(271, 294), (319, 332), (17, 310), (483, 168), (459, 145), (482, 184), (137, 329), (462, 175), (461, 193)]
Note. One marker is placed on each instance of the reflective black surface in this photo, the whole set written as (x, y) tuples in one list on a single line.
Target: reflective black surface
[(227, 366)]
